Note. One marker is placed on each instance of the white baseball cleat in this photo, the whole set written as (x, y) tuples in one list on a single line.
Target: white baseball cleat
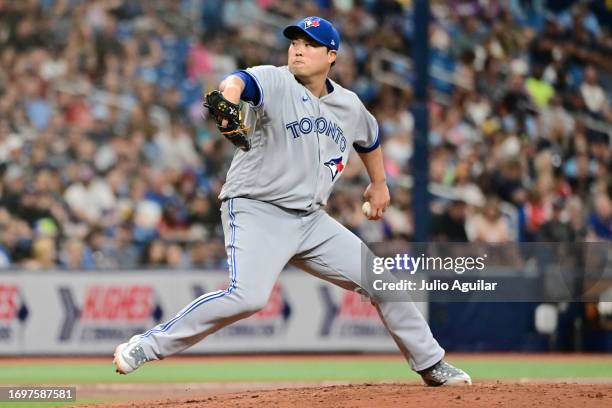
[(129, 356), (445, 374)]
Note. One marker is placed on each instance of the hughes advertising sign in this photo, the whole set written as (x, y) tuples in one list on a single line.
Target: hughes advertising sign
[(13, 313), (91, 312), (109, 312)]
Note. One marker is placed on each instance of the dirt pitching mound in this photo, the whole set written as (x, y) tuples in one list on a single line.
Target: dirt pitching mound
[(485, 395)]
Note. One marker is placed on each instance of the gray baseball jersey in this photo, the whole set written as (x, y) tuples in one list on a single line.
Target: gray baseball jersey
[(271, 216), (297, 156)]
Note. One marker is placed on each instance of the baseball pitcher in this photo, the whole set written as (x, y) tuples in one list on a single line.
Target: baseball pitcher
[(290, 152)]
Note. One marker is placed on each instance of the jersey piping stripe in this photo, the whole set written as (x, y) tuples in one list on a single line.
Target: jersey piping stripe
[(213, 295), (361, 149)]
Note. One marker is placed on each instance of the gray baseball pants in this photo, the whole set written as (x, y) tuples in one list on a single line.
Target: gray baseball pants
[(260, 240)]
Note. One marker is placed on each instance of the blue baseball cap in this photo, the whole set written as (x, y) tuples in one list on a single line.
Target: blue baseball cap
[(317, 28)]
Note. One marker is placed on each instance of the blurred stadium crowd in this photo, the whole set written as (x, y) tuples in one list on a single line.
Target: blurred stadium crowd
[(107, 162)]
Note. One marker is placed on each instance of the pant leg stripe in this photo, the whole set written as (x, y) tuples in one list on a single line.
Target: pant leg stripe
[(213, 295), (232, 244)]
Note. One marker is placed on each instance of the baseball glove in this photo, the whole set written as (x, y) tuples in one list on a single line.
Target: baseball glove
[(222, 109)]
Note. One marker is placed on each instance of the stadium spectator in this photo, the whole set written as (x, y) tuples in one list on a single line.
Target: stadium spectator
[(154, 254), (75, 255), (600, 220), (89, 197), (489, 226), (200, 256), (593, 94), (124, 252), (175, 257), (558, 228), (45, 256), (450, 226)]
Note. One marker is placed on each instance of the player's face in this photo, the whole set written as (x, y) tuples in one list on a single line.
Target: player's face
[(308, 58)]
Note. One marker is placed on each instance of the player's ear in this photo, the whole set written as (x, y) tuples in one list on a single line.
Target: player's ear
[(331, 56)]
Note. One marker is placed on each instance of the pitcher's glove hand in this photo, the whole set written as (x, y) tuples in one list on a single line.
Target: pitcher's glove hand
[(223, 110)]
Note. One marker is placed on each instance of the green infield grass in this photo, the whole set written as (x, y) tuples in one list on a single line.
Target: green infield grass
[(292, 370)]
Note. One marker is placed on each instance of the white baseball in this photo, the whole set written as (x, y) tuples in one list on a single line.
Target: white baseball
[(366, 208)]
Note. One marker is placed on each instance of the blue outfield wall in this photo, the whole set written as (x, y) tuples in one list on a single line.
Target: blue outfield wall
[(491, 327), (478, 326)]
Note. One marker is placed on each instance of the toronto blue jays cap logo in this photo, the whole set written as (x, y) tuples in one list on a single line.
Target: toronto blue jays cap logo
[(317, 28), (311, 22), (335, 166)]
